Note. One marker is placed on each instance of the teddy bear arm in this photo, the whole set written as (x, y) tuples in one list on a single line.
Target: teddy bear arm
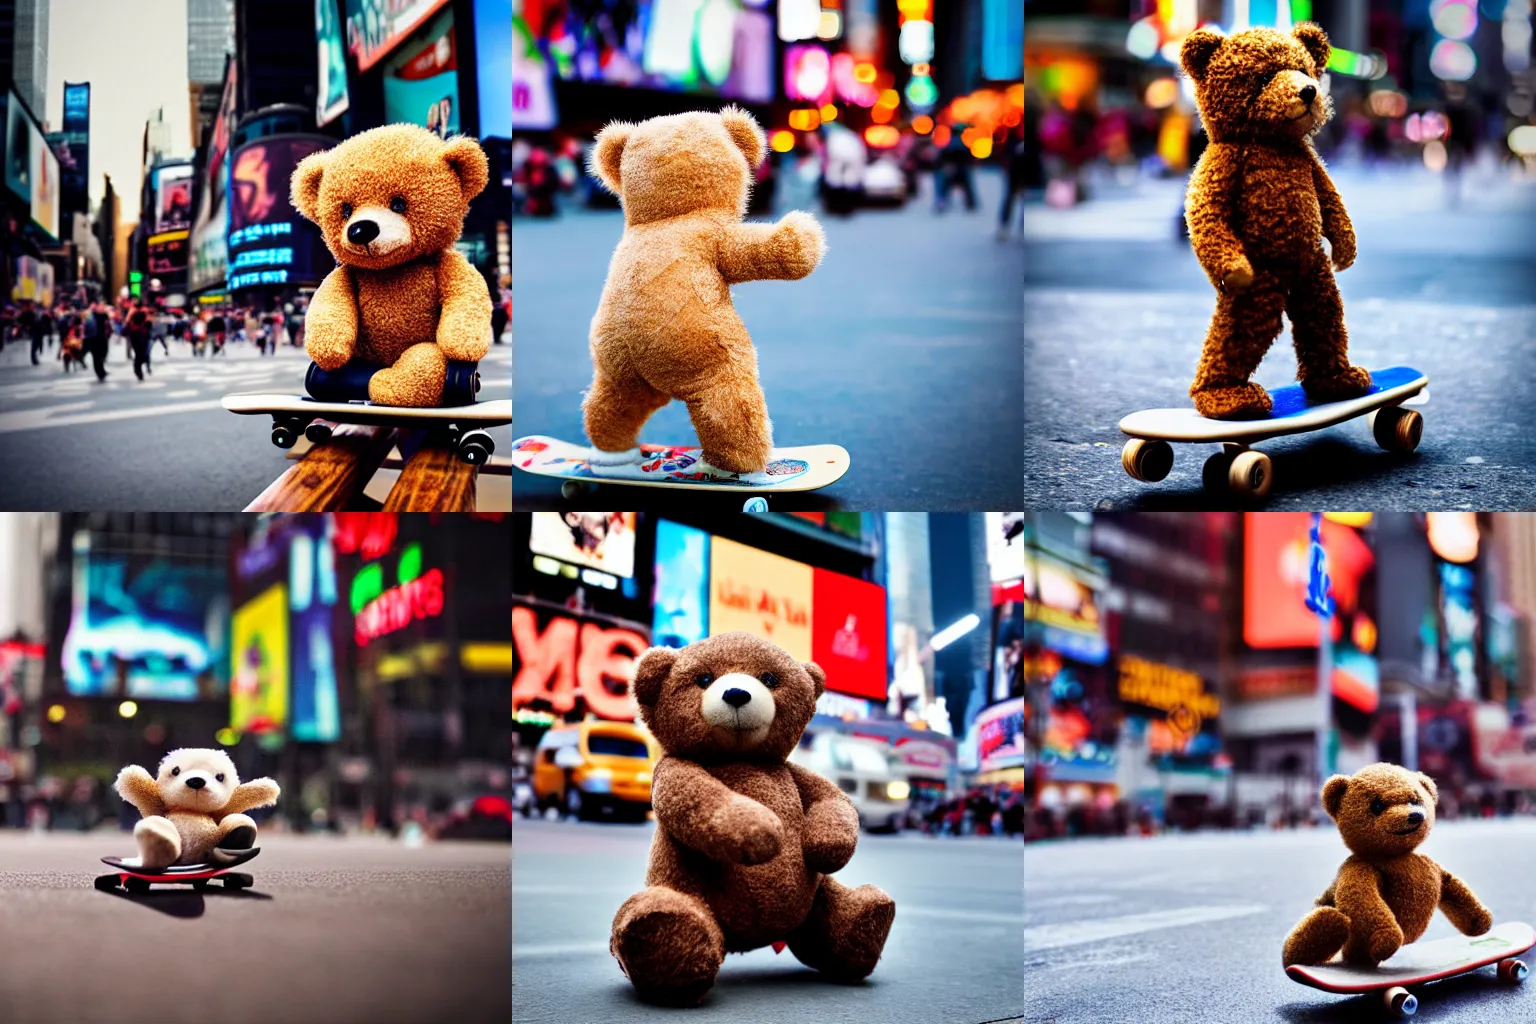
[(256, 793), (702, 813), (1337, 227), (464, 328), (1209, 203), (786, 251), (1462, 906), (831, 828), (330, 323), (1357, 894), (139, 788)]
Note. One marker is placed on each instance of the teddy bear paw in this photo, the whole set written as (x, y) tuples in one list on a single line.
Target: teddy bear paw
[(1384, 942), (1243, 402), (1350, 382), (1238, 277), (805, 242)]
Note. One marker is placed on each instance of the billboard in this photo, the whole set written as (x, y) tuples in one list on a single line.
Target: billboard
[(565, 662), (269, 243), (312, 598), (31, 169), (210, 253), (145, 627), (167, 252), (755, 591), (598, 540), (421, 79), (493, 58), (173, 198), (680, 602), (848, 633), (331, 95), (375, 27), (258, 673), (533, 91), (76, 178), (1276, 562), (1005, 545), (1000, 735)]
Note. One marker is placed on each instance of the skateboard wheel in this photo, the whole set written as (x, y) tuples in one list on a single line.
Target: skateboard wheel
[(106, 883), (318, 433), (1512, 971), (133, 884), (1401, 1002), (199, 884), (236, 880), (1214, 474), (1147, 460), (283, 437), (755, 504), (1251, 475), (1398, 429), (475, 447), (573, 489)]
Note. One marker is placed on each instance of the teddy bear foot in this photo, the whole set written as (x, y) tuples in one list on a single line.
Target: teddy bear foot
[(159, 842), (241, 838), (1316, 938), (668, 946), (1243, 402), (611, 463), (1351, 382), (845, 933)]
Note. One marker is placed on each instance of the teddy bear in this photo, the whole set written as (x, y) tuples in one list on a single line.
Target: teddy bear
[(1259, 204), (1385, 893), (390, 203), (745, 841), (195, 802), (665, 326)]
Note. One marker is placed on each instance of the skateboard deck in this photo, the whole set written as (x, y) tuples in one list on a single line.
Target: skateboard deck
[(128, 868), (806, 468), (295, 414)]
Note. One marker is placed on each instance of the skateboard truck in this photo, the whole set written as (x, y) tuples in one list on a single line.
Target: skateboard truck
[(350, 383)]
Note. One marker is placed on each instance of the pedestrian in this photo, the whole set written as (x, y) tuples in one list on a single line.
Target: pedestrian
[(1015, 158), (954, 171), (137, 330), (199, 336), (97, 327), (216, 329), (501, 313), (42, 326), (296, 323)]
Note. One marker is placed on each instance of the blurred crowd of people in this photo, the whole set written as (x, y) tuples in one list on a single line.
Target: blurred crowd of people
[(981, 811)]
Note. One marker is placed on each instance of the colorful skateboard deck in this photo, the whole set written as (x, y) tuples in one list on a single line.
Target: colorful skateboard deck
[(805, 468), (136, 878), (293, 415), (1422, 962)]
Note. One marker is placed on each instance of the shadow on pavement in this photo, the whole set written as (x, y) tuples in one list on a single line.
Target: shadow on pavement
[(1476, 992), (188, 903)]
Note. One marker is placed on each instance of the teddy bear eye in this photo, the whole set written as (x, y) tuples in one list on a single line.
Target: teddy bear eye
[(703, 679), (397, 204), (220, 776), (1378, 805), (346, 209), (769, 680), (175, 771)]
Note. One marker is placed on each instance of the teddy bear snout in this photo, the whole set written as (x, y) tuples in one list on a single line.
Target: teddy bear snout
[(361, 232), (736, 697), (1308, 94), (196, 782)]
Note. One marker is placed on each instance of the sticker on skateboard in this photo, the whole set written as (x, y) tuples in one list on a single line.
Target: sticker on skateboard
[(805, 468), (135, 878), (293, 415), (1148, 456), (1422, 962)]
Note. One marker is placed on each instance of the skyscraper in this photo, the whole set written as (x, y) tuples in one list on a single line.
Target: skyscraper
[(210, 35), (29, 54)]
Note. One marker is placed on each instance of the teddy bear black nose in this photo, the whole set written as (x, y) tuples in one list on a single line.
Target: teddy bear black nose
[(736, 698), (1308, 94), (196, 782), (1415, 817), (364, 231)]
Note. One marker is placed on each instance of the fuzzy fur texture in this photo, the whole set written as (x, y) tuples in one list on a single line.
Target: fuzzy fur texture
[(1385, 893), (193, 804), (744, 840), (665, 327), (1259, 205), (402, 297)]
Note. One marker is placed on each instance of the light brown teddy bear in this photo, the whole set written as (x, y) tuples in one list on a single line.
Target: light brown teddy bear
[(1385, 893), (391, 202), (745, 840), (194, 804), (1259, 205), (665, 327)]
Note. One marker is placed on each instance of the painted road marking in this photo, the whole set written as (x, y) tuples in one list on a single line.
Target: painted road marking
[(1076, 933), (32, 419), (523, 950)]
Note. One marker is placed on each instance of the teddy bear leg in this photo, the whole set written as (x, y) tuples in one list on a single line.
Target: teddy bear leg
[(236, 832), (668, 944), (1241, 331), (1322, 343), (1316, 938), (159, 842), (845, 932), (615, 409), (415, 381), (731, 419)]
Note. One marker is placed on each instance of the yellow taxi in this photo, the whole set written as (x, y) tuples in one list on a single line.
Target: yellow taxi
[(592, 768)]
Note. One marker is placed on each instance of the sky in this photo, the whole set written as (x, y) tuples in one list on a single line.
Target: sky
[(135, 57)]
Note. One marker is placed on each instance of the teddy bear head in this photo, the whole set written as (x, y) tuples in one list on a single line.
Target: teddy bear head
[(196, 779), (1259, 84), (391, 194), (680, 163), (1383, 810), (733, 697)]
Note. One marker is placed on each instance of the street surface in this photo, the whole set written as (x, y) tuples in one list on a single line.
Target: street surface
[(1188, 929), (1115, 310), (953, 954), (903, 347), (72, 442), (334, 931)]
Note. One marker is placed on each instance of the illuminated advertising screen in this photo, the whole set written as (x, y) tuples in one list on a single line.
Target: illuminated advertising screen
[(598, 540), (31, 169), (716, 47), (421, 79), (375, 27), (566, 663), (493, 55), (312, 598), (1276, 563), (755, 591), (167, 252), (75, 179), (1000, 735), (210, 252), (269, 243), (808, 74), (680, 604), (331, 95), (144, 627), (258, 672), (848, 633), (533, 91), (1005, 545), (173, 198)]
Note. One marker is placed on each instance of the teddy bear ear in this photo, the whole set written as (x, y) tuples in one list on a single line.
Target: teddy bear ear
[(1198, 49), (817, 676), (1429, 787), (603, 164), (1315, 40), (650, 672), (305, 185), (1333, 794), (464, 155), (749, 138)]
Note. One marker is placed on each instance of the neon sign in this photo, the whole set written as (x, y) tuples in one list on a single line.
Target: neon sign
[(568, 660), (399, 606)]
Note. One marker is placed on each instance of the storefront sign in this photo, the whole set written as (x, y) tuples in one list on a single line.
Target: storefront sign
[(924, 756), (1165, 688), (374, 27), (765, 594), (399, 606), (571, 658), (1000, 735), (1275, 683)]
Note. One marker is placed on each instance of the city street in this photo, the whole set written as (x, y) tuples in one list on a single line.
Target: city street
[(903, 347), (334, 930), (1189, 928), (1116, 308), (71, 442), (953, 953)]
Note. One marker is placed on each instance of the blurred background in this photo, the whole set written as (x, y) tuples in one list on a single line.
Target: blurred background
[(913, 619), (1433, 149)]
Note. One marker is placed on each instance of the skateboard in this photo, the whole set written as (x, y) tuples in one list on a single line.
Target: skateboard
[(293, 415), (806, 468), (1423, 962), (137, 879), (1148, 456)]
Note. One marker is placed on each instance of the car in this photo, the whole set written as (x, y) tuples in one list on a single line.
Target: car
[(482, 817), (595, 768), (868, 771), (884, 183)]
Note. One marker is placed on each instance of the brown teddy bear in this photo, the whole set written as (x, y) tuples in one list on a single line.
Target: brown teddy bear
[(744, 839), (391, 202), (1384, 894), (1259, 205), (194, 804), (665, 327)]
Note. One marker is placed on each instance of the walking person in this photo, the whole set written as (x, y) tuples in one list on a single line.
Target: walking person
[(954, 171), (1015, 157), (42, 326), (137, 329), (97, 328), (216, 329)]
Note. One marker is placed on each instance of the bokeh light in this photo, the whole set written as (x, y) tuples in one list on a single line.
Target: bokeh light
[(922, 124), (782, 141), (1161, 93), (1452, 61)]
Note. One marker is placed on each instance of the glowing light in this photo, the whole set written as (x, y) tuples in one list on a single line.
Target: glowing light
[(1161, 93), (898, 790), (881, 115), (1350, 518), (889, 98), (1387, 103), (56, 713), (127, 709), (1435, 156), (1426, 127), (982, 148), (830, 26), (922, 124), (782, 141), (864, 72), (1142, 40), (829, 112), (922, 68), (949, 634), (805, 119), (1522, 140), (881, 136), (1452, 61), (1357, 65), (941, 136), (1453, 535), (1454, 19), (227, 737), (1170, 52), (922, 93), (915, 42)]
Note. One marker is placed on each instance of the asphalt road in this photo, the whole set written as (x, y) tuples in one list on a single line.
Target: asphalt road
[(1115, 311), (1188, 929), (953, 954), (69, 442), (334, 931), (903, 347)]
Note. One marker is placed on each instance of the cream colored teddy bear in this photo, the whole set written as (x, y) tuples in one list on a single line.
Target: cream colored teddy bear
[(192, 806)]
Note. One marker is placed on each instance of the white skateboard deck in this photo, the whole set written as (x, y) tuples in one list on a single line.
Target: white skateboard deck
[(1420, 962), (806, 468), (484, 414)]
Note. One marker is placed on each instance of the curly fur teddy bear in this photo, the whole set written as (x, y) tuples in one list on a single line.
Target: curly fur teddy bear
[(1259, 205), (391, 202), (193, 804), (745, 841), (1385, 893), (665, 327)]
